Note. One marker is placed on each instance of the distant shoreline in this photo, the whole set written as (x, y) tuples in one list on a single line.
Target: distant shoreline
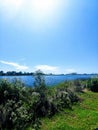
[(13, 73)]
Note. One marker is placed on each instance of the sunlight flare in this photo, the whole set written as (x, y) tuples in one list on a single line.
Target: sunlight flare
[(34, 14), (44, 8)]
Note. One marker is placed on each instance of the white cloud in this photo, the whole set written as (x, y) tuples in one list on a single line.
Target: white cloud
[(70, 70), (15, 65), (54, 69), (47, 68)]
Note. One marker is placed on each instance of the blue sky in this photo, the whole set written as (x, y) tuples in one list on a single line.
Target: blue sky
[(56, 36)]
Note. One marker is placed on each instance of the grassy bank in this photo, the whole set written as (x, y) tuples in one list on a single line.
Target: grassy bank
[(65, 106), (83, 116)]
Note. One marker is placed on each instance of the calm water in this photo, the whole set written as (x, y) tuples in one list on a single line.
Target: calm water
[(50, 80)]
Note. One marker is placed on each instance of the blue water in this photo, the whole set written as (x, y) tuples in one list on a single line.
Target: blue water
[(50, 80)]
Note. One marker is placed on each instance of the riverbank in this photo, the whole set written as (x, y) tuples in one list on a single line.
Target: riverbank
[(50, 80), (67, 106), (83, 116)]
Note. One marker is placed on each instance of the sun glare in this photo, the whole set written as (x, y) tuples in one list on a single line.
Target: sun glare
[(44, 8), (10, 8), (36, 14)]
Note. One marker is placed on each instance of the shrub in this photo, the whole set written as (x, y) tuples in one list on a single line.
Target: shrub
[(21, 106), (16, 106), (64, 98), (94, 85)]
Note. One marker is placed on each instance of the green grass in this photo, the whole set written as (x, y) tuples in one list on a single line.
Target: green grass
[(83, 116)]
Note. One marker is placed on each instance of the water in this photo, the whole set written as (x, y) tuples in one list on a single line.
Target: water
[(50, 80)]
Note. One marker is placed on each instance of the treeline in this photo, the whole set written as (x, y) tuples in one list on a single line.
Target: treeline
[(14, 73)]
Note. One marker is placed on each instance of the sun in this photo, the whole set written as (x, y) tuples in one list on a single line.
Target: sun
[(43, 5), (38, 16), (33, 14), (44, 8)]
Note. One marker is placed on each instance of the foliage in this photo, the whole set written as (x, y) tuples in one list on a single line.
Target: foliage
[(41, 107), (83, 116), (14, 73), (93, 84), (16, 103), (21, 107), (39, 82)]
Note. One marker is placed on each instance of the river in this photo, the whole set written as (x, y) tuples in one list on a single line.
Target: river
[(50, 80)]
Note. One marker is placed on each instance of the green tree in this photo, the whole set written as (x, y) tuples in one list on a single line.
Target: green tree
[(40, 87), (94, 85), (39, 82)]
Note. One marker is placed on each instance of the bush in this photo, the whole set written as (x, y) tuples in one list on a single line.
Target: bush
[(64, 98), (21, 106), (94, 85), (16, 106)]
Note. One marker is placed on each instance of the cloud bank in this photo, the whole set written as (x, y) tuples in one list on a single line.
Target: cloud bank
[(47, 68), (70, 70), (54, 69), (15, 65)]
